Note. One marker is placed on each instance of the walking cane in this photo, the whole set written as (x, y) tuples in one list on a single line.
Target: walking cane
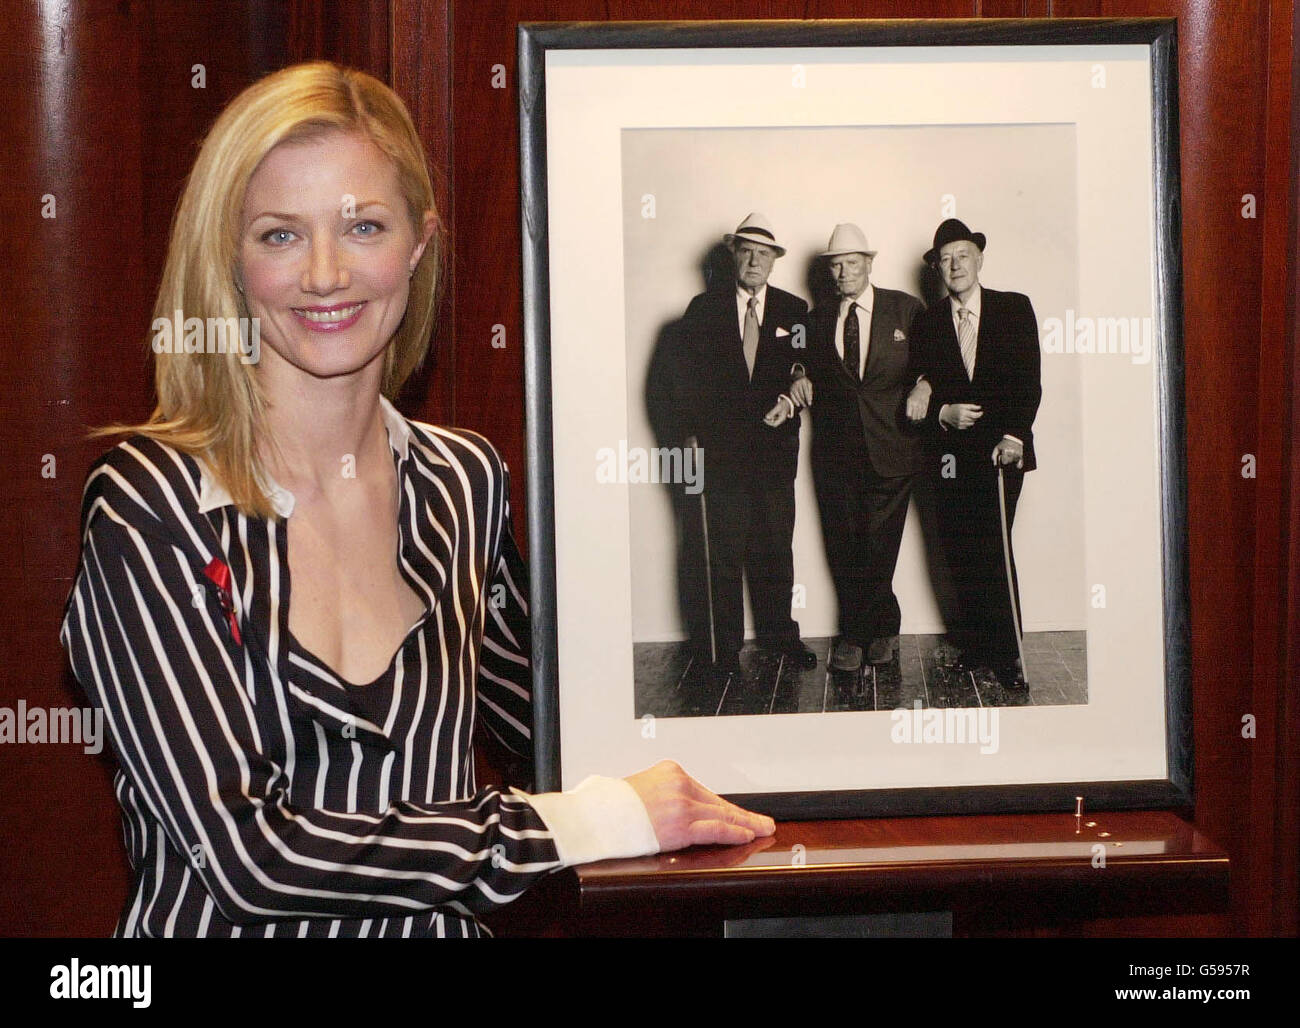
[(1011, 583), (708, 567)]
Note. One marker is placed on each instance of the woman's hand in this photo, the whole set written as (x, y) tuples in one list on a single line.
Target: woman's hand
[(684, 813)]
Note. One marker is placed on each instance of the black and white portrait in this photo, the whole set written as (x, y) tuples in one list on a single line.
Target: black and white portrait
[(759, 262), (880, 532)]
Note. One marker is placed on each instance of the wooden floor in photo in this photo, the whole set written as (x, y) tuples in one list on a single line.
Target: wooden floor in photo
[(670, 684)]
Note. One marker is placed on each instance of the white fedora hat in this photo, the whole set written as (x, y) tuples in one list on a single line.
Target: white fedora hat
[(848, 238), (757, 229)]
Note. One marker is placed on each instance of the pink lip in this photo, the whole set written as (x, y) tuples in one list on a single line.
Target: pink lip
[(329, 326)]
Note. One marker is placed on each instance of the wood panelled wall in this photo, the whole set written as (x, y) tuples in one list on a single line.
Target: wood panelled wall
[(104, 112), (104, 116)]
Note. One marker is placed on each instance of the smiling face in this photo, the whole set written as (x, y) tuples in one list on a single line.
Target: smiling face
[(753, 264), (851, 272), (959, 267), (326, 253)]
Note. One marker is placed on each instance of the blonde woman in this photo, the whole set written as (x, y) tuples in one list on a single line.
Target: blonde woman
[(282, 603)]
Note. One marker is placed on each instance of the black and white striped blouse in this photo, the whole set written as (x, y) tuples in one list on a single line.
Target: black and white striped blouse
[(262, 794)]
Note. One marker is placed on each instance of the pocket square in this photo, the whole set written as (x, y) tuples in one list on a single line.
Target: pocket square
[(899, 335), (781, 332)]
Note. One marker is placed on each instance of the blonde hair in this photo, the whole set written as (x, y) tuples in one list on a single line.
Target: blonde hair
[(213, 407)]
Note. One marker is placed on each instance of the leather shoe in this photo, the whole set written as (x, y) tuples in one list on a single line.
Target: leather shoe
[(846, 656), (882, 650), (800, 657), (793, 652)]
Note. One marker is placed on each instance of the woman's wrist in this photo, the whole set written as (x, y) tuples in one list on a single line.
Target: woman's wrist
[(599, 819)]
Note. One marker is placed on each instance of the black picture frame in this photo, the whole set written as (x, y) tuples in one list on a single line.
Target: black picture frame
[(535, 40)]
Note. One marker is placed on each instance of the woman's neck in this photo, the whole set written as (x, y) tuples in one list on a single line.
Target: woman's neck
[(326, 432)]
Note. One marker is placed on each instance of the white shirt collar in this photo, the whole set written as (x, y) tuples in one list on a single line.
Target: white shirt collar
[(743, 295), (972, 305), (866, 300), (213, 494)]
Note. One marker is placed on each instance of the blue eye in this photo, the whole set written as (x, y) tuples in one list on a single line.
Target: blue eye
[(374, 228), (271, 237)]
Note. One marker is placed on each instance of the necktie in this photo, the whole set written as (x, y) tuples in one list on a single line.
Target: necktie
[(966, 336), (852, 348), (750, 342)]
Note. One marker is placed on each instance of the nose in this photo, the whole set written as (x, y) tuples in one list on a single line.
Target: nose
[(325, 271)]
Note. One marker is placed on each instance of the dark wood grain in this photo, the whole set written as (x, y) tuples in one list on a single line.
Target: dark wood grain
[(1276, 770), (421, 76), (102, 112), (1284, 94), (1038, 871), (1222, 55), (354, 33), (103, 117)]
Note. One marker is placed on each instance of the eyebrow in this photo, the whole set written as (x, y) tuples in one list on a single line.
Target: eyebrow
[(283, 216), (372, 203)]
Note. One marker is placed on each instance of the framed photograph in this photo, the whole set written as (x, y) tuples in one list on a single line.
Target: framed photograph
[(856, 469)]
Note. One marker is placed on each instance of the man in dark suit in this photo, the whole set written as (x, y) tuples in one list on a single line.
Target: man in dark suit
[(978, 362), (739, 345), (863, 450)]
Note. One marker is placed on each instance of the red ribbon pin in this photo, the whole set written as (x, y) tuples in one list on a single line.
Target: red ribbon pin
[(220, 575)]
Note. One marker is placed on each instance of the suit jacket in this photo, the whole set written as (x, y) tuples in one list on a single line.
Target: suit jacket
[(722, 404), (859, 423), (1006, 384)]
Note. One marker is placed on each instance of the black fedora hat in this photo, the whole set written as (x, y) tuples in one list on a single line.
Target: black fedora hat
[(952, 231)]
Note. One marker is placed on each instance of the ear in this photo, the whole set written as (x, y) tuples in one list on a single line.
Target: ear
[(428, 227)]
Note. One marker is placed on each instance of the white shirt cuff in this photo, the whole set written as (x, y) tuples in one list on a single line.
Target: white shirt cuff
[(1018, 442), (600, 819)]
